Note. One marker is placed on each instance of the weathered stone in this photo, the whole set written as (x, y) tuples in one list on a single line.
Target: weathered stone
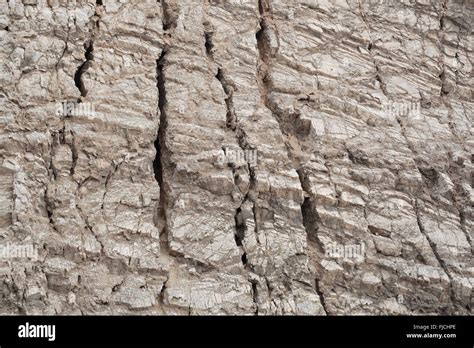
[(236, 157)]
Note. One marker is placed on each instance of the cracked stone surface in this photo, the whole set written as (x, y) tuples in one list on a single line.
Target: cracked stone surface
[(257, 157)]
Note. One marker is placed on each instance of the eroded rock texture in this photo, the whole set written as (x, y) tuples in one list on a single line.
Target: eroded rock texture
[(237, 156)]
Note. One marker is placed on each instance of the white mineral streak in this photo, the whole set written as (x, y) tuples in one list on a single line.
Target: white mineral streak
[(236, 157)]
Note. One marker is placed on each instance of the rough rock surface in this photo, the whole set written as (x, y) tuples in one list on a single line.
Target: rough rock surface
[(237, 156)]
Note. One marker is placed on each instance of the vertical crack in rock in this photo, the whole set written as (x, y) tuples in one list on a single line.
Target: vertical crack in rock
[(239, 227), (403, 133), (433, 247), (233, 124), (161, 295), (78, 78), (290, 123), (89, 51), (255, 222), (209, 45), (49, 211), (160, 146), (170, 12), (74, 151), (169, 21), (240, 224), (321, 297), (311, 218), (310, 222), (444, 6), (444, 89), (442, 78), (231, 119), (262, 68), (378, 75), (255, 295), (70, 140)]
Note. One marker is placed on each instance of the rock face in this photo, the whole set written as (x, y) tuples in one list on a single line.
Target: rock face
[(236, 157)]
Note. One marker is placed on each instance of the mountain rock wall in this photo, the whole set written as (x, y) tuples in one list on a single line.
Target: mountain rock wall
[(236, 157)]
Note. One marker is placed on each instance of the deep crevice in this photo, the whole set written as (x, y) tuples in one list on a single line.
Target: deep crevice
[(239, 227), (231, 119), (311, 220), (208, 44), (161, 107), (160, 145), (78, 76), (255, 295), (244, 258)]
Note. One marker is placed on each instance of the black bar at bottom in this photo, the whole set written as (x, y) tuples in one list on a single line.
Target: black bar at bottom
[(291, 331)]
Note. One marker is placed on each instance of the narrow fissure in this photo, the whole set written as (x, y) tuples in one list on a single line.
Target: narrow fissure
[(231, 120), (208, 44), (161, 107), (239, 227), (321, 296), (161, 296), (441, 262), (378, 76), (311, 221), (255, 222), (160, 145), (255, 295), (288, 124), (232, 123), (78, 76), (402, 131), (444, 89), (444, 7), (75, 153)]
